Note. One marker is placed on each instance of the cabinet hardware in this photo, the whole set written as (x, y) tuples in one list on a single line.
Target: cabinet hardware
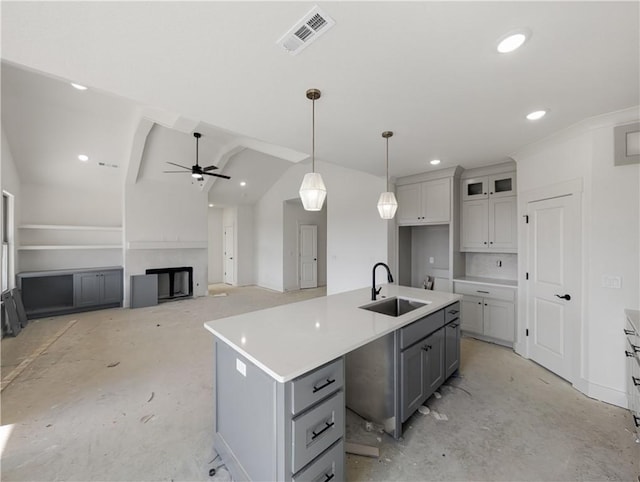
[(479, 302), (636, 380), (426, 347), (629, 332), (453, 312), (490, 193), (636, 349), (329, 382), (636, 420), (486, 304), (480, 291), (327, 427), (628, 353), (490, 242), (484, 242), (329, 477), (454, 326), (564, 297)]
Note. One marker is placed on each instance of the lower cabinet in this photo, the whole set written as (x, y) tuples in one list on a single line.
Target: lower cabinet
[(99, 288), (488, 312), (267, 430), (425, 365)]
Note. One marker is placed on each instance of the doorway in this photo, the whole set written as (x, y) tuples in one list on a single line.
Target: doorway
[(308, 255), (554, 283), (229, 248)]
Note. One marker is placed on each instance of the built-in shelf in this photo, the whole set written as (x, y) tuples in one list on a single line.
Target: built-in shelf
[(69, 246), (167, 245), (70, 227)]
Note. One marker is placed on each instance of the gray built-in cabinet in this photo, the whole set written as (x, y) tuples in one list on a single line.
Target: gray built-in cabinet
[(57, 292)]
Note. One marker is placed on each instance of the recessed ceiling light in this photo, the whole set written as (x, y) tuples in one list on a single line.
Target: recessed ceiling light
[(243, 183), (435, 162), (512, 41), (78, 86), (211, 205), (535, 115), (83, 157)]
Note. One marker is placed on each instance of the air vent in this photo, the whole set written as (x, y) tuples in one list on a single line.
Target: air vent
[(306, 31)]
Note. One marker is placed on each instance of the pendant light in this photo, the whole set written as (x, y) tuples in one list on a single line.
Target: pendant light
[(313, 191), (387, 204)]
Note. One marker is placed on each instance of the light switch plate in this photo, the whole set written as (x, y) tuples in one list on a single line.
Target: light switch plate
[(613, 282)]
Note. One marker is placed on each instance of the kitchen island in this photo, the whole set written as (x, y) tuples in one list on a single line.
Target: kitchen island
[(280, 377)]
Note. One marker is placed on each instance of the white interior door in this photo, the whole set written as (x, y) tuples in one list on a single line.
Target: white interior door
[(228, 255), (553, 298), (308, 256)]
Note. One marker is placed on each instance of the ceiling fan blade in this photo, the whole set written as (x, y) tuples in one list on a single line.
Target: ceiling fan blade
[(174, 164), (216, 175), (176, 172), (209, 168)]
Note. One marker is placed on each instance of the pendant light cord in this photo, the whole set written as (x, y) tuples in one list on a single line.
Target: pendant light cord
[(197, 139), (387, 164), (313, 136)]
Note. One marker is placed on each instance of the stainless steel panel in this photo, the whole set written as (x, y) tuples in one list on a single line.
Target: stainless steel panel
[(421, 328), (316, 430), (329, 466), (313, 387)]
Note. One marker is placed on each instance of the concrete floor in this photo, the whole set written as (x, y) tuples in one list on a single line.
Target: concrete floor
[(127, 395)]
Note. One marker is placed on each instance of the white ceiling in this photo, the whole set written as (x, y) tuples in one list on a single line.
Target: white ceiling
[(428, 71)]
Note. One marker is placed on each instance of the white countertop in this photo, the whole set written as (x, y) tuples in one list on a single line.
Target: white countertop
[(634, 318), (507, 283), (290, 340)]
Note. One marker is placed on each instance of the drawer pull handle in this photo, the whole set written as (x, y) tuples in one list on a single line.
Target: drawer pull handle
[(454, 326), (636, 349), (327, 427), (629, 332), (636, 420), (329, 382), (628, 353), (636, 381), (480, 291), (453, 312), (329, 477)]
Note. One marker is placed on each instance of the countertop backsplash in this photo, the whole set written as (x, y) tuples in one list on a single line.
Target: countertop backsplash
[(492, 265)]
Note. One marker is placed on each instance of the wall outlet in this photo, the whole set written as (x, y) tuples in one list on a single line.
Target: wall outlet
[(499, 264), (613, 282), (431, 260)]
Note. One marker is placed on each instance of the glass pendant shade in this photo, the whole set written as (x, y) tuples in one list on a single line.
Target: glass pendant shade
[(387, 205), (313, 191)]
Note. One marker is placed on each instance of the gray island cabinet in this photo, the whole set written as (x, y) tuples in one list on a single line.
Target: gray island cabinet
[(283, 376)]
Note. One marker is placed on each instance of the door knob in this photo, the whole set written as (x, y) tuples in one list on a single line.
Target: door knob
[(565, 297)]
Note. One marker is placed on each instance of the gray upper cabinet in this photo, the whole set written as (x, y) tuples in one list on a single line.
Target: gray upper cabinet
[(427, 202), (489, 214)]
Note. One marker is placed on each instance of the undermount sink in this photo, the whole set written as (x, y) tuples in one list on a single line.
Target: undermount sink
[(394, 306)]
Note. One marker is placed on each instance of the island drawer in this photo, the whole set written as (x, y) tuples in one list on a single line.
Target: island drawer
[(421, 328), (452, 312), (485, 291), (329, 466), (314, 386), (316, 430)]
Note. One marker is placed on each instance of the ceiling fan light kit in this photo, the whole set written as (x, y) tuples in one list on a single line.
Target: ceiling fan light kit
[(387, 203), (313, 191), (197, 172)]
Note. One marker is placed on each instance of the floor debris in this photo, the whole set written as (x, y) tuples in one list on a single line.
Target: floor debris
[(543, 380), (424, 410), (146, 418), (151, 397), (437, 395), (439, 416), (219, 294), (114, 364)]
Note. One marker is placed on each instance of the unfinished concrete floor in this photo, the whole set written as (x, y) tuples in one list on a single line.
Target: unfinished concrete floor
[(127, 395)]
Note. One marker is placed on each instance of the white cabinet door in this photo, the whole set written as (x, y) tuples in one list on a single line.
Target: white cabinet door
[(475, 188), (408, 204), (499, 319), (503, 223), (474, 225), (436, 201), (501, 185), (472, 314)]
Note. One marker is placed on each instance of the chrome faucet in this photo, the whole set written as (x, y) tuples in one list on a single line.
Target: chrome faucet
[(375, 292)]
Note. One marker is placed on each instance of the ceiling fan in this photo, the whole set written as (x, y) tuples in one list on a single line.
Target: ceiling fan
[(197, 172)]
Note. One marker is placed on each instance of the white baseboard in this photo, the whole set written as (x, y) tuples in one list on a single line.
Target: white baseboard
[(602, 393)]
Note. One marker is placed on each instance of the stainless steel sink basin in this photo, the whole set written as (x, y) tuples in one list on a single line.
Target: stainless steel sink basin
[(393, 306)]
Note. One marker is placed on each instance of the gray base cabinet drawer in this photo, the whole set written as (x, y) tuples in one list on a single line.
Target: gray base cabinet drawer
[(452, 312), (315, 386), (316, 430), (421, 328), (329, 466)]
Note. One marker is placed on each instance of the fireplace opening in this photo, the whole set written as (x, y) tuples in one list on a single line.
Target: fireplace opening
[(173, 283)]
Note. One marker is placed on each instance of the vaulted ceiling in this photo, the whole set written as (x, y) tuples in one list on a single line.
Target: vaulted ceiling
[(427, 70)]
